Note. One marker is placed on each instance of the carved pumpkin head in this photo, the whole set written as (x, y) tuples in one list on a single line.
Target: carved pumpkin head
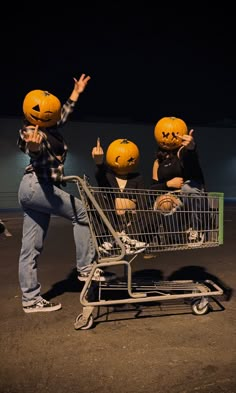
[(122, 156), (167, 130), (41, 108)]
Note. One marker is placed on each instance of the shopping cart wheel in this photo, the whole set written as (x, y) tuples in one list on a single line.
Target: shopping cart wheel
[(82, 323), (200, 306)]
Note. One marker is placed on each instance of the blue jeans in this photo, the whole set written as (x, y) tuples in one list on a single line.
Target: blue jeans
[(39, 201), (192, 187), (194, 204)]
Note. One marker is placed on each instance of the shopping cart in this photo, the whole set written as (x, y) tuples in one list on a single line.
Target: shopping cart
[(144, 222)]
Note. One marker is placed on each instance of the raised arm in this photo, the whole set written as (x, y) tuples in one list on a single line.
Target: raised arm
[(68, 107), (79, 86)]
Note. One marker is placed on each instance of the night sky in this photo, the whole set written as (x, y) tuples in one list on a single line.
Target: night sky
[(145, 62)]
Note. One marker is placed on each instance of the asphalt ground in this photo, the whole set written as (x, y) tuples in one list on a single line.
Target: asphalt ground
[(160, 348)]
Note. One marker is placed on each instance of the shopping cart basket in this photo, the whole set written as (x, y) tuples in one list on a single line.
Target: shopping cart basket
[(145, 222)]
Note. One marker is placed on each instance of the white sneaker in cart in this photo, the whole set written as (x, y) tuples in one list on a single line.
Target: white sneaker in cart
[(131, 242), (132, 251), (105, 248), (195, 238), (98, 275)]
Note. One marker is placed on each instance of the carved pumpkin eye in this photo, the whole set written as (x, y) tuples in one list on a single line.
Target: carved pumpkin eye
[(167, 130), (42, 108), (122, 156)]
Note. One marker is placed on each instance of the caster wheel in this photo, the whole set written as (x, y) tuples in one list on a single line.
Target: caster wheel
[(83, 324), (199, 307)]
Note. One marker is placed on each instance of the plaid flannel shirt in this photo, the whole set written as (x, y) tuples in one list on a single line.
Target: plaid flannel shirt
[(45, 163)]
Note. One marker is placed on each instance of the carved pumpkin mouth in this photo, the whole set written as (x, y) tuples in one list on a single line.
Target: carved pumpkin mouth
[(168, 144), (39, 119), (130, 161)]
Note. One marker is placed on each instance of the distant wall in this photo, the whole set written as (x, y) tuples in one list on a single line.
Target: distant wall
[(216, 146)]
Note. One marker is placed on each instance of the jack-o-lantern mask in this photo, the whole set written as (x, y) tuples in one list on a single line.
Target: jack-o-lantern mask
[(41, 108), (167, 132), (122, 156)]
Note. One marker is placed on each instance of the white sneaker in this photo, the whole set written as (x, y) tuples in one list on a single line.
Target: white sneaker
[(131, 251), (98, 275), (131, 242), (105, 248), (42, 306), (193, 235), (195, 238)]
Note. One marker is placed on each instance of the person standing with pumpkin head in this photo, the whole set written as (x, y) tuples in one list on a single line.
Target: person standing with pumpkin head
[(177, 166), (40, 194)]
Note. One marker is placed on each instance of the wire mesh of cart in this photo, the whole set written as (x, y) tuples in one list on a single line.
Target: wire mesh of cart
[(143, 222)]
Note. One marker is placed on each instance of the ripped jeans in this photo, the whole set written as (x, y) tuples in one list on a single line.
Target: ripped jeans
[(39, 201), (195, 203)]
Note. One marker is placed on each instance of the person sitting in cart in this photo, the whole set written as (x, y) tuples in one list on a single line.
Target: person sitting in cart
[(177, 168), (118, 173)]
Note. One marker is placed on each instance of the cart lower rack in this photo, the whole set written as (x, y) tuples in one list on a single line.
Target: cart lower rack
[(144, 222)]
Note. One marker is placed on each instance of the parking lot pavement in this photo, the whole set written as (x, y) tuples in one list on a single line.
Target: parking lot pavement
[(159, 348)]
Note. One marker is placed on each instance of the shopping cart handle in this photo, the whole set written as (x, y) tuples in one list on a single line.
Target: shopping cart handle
[(71, 179)]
